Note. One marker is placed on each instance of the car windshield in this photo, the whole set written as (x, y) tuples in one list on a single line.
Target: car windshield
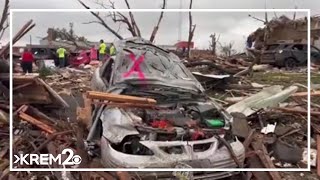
[(139, 63), (151, 63)]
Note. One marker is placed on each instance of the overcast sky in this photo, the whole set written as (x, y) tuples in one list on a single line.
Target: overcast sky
[(232, 27)]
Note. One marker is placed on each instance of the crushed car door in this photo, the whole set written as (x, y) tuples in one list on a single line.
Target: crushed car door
[(300, 53), (315, 54)]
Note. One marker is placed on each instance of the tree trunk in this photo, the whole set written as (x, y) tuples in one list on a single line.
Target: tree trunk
[(156, 28), (191, 30)]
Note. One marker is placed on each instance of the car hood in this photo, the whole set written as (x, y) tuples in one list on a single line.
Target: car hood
[(186, 84)]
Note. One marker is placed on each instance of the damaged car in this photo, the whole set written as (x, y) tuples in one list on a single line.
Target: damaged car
[(186, 128), (288, 55)]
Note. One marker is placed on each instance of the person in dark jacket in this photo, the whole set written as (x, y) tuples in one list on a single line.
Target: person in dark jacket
[(27, 60)]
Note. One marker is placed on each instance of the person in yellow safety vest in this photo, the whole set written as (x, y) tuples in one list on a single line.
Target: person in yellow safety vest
[(112, 50), (102, 50), (62, 56)]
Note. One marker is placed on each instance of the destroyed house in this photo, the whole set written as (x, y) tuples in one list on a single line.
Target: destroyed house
[(286, 30)]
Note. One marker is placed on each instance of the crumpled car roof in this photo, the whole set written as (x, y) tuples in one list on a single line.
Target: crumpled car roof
[(158, 66)]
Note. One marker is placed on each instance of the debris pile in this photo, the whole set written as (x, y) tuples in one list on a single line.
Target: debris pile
[(4, 128), (55, 113), (41, 123)]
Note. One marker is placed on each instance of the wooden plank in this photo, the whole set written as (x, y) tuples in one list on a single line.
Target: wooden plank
[(126, 105), (258, 175), (303, 94), (50, 138), (85, 114), (248, 140), (22, 108), (318, 154), (41, 115), (54, 93), (22, 86), (119, 98), (37, 123), (262, 153), (296, 111)]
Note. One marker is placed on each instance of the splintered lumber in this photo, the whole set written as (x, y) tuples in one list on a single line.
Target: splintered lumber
[(303, 94), (22, 86), (248, 139), (25, 29), (124, 105), (54, 93), (37, 123), (41, 115), (119, 98), (84, 114), (296, 111), (50, 138), (318, 154), (262, 153)]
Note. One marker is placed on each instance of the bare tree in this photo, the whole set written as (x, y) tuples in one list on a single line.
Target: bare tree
[(213, 43), (118, 17), (191, 29), (156, 28), (4, 20), (101, 21), (227, 50), (121, 18)]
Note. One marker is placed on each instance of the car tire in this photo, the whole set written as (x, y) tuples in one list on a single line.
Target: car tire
[(290, 63)]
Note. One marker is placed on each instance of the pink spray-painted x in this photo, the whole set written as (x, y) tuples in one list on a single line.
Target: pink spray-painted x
[(136, 66)]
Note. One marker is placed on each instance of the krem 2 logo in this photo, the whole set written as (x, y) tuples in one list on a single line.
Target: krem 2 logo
[(48, 159)]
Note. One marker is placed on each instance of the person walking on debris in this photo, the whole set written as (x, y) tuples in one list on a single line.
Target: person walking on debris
[(112, 50), (62, 56), (102, 50), (26, 62)]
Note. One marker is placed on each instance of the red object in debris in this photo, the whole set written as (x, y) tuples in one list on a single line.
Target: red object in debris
[(162, 124), (197, 135), (183, 44), (82, 57)]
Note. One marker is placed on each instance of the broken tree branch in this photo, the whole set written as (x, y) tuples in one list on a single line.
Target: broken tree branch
[(133, 22), (101, 21), (25, 29), (4, 22), (156, 28)]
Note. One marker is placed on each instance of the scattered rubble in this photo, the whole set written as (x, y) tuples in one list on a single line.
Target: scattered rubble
[(54, 111)]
